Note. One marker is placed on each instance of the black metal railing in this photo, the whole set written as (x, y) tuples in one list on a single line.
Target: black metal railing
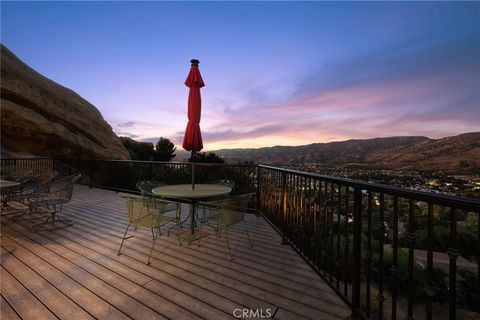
[(389, 252), (30, 165), (122, 175)]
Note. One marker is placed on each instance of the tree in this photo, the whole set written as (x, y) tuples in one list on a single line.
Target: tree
[(471, 221), (138, 150), (165, 150), (206, 157)]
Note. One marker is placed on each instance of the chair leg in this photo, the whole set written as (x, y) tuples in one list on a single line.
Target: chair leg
[(178, 231), (250, 242), (151, 249), (4, 204), (121, 244), (51, 219), (171, 227), (179, 208), (201, 231), (178, 221), (177, 225), (15, 215), (228, 244)]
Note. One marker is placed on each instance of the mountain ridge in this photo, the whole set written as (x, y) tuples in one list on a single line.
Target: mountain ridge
[(454, 154)]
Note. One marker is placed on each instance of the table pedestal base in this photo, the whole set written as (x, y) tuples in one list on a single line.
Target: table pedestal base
[(193, 233)]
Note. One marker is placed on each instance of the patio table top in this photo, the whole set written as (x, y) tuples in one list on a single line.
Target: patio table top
[(186, 191)]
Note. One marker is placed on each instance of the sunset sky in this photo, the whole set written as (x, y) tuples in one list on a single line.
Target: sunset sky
[(276, 73)]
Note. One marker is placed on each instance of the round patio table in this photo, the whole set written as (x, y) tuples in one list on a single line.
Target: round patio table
[(192, 196), (5, 186)]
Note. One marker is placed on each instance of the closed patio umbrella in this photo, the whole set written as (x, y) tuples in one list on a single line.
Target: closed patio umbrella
[(192, 140)]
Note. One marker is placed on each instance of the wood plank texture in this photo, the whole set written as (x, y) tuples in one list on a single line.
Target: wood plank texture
[(75, 272)]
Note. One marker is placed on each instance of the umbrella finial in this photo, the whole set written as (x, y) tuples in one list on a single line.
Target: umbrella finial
[(195, 62)]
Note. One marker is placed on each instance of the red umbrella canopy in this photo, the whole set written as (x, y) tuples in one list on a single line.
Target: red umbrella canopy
[(192, 140)]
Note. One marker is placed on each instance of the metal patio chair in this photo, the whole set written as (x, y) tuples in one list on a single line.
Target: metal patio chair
[(23, 198), (146, 187), (227, 212), (224, 182), (59, 194), (148, 213)]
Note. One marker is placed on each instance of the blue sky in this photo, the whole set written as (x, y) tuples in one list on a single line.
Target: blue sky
[(283, 73)]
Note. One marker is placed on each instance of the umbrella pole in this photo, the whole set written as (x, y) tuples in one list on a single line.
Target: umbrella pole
[(193, 170)]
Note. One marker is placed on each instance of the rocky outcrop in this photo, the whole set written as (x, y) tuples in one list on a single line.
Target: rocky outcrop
[(42, 118)]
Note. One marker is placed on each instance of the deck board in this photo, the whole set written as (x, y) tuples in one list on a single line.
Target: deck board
[(82, 296), (22, 300), (79, 265), (49, 295), (7, 311)]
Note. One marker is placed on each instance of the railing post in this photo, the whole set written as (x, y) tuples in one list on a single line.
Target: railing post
[(453, 254), (429, 289), (357, 247), (410, 237), (284, 208), (258, 188)]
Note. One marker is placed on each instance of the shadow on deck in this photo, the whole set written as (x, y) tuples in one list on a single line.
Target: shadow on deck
[(75, 273)]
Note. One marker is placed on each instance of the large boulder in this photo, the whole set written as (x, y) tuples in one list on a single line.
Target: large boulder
[(42, 118)]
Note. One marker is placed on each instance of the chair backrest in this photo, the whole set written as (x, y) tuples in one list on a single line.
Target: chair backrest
[(36, 183), (65, 186), (233, 209), (44, 181), (146, 187), (144, 211)]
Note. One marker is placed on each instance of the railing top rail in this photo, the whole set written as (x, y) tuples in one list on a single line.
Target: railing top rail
[(160, 162), (135, 161), (30, 158), (430, 197)]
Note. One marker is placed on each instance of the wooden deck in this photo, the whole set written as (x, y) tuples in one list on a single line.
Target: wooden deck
[(75, 273)]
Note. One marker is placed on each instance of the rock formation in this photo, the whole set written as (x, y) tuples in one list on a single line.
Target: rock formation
[(42, 118)]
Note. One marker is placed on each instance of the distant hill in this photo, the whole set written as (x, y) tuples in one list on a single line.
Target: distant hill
[(349, 151), (458, 154)]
